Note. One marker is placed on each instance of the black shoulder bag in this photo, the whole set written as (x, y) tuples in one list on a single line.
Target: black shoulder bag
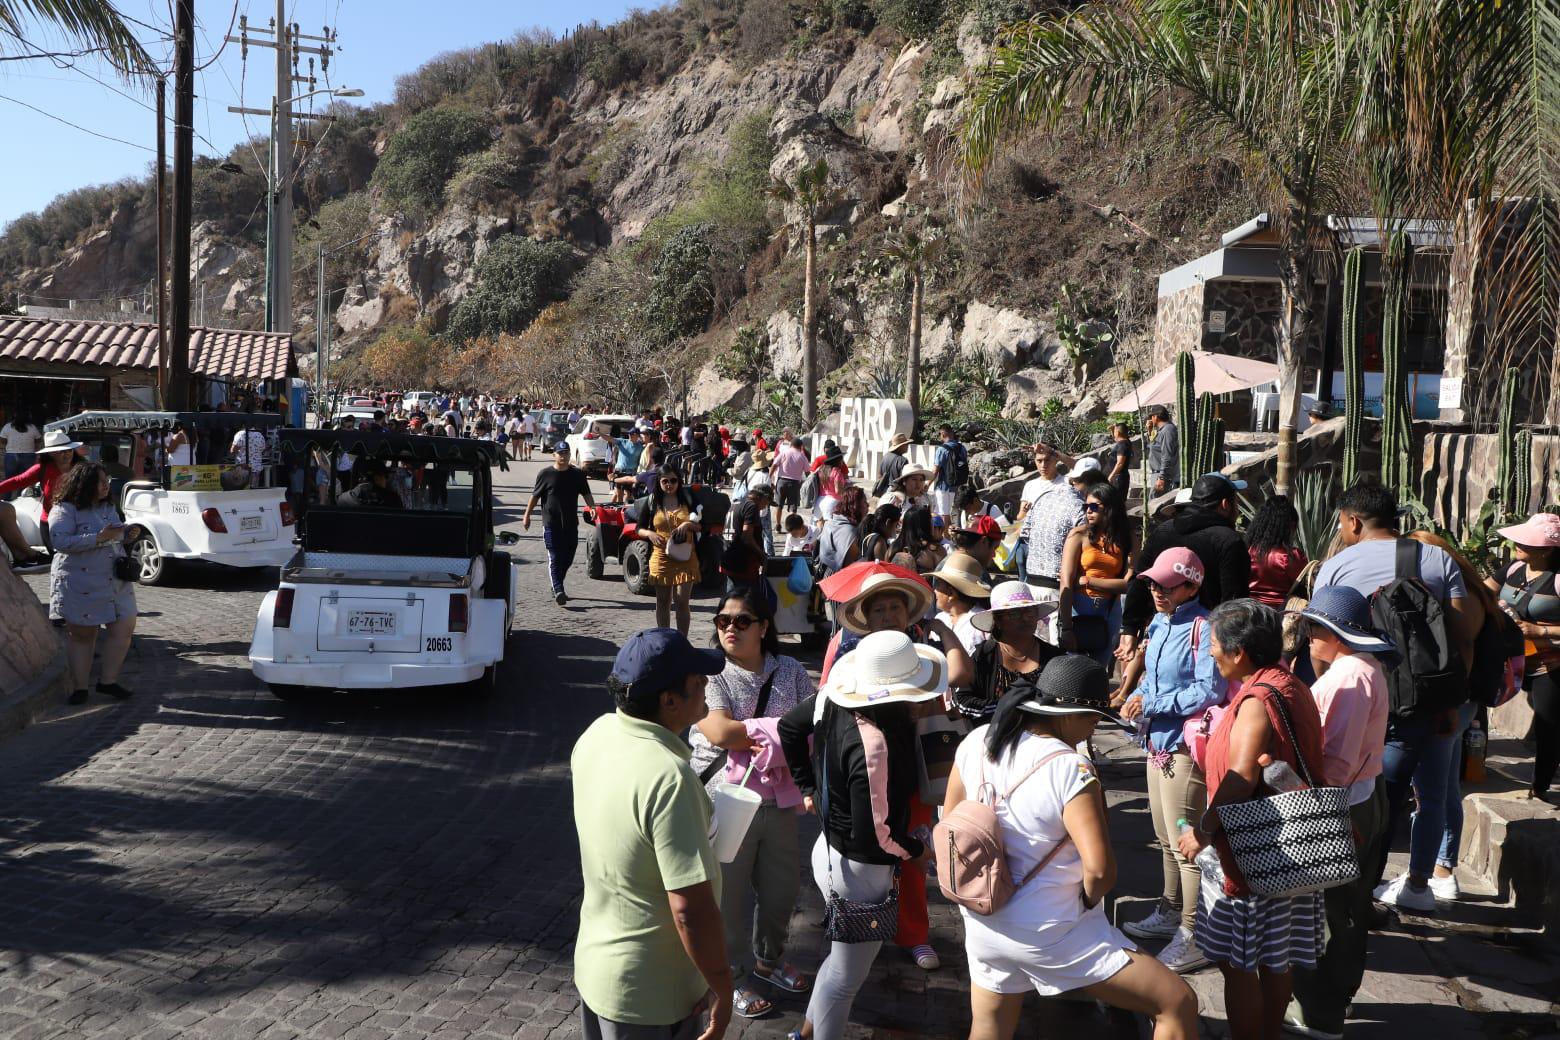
[(850, 920), (721, 754)]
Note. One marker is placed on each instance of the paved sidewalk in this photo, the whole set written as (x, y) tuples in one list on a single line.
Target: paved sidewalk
[(206, 861)]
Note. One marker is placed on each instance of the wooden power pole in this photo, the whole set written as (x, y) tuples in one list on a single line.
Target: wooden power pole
[(183, 166)]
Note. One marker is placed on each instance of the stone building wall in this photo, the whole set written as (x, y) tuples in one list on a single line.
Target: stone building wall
[(1252, 312), (1178, 324)]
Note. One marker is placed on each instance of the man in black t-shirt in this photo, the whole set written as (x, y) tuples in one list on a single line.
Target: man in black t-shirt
[(559, 490), (1120, 470)]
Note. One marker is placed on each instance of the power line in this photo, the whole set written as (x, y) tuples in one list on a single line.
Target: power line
[(77, 126)]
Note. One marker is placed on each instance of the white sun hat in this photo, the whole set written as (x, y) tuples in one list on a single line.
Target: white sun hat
[(887, 668)]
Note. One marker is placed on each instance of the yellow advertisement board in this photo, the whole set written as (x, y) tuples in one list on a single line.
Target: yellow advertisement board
[(195, 478)]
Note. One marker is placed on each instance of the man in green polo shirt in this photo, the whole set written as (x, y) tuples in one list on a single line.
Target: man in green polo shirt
[(651, 950)]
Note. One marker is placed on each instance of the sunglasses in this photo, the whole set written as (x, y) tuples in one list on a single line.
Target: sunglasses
[(1154, 586), (741, 622), (1092, 507)]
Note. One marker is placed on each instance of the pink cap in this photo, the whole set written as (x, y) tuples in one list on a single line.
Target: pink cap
[(1175, 567), (1538, 530)]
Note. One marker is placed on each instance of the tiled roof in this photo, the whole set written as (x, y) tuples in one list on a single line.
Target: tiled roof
[(227, 354)]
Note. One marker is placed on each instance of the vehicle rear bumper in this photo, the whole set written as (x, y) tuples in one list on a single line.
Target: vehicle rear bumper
[(364, 675), (271, 554)]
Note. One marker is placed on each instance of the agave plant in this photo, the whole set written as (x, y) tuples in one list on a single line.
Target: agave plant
[(1316, 492)]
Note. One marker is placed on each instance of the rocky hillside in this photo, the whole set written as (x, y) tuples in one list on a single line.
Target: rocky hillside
[(589, 215)]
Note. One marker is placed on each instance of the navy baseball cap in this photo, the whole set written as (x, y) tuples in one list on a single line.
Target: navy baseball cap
[(560, 448), (661, 659)]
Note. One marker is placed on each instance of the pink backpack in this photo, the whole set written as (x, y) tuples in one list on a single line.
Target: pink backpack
[(972, 868)]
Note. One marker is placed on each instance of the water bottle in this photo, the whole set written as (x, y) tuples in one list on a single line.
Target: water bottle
[(1475, 744), (1281, 777), (1208, 866)]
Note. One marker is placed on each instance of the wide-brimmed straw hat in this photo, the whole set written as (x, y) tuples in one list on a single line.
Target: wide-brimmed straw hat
[(762, 458), (1346, 613), (1539, 530), (912, 471), (901, 440), (1070, 685), (58, 440), (963, 572), (1010, 595), (887, 668), (853, 614)]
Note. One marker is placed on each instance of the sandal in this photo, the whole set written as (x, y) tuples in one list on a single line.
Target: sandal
[(783, 976), (747, 1004)]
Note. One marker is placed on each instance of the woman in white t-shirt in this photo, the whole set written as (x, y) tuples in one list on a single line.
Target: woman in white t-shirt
[(22, 441), (1052, 936)]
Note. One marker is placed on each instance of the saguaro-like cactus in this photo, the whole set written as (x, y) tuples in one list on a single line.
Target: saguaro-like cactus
[(1506, 442), (1185, 404), (1353, 369), (1522, 477), (1397, 469), (1208, 438)]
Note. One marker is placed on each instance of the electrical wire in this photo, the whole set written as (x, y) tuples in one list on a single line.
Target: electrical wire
[(232, 21), (77, 126)]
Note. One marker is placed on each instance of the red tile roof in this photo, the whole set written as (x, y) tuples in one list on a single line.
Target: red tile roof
[(227, 354)]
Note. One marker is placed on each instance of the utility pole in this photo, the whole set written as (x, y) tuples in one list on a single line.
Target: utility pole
[(286, 41), (183, 166), (163, 355)]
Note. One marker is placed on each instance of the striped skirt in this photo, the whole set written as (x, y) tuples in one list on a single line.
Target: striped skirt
[(1272, 932)]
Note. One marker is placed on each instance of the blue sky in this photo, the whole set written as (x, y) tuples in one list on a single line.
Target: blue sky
[(379, 40)]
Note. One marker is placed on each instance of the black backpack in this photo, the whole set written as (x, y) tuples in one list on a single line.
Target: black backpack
[(1429, 675), (955, 466)]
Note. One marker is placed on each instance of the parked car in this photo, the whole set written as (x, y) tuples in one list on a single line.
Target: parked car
[(591, 441), (554, 424), (212, 513), (396, 598), (418, 399)]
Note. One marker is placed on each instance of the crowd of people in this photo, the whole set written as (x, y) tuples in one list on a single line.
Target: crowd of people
[(972, 661)]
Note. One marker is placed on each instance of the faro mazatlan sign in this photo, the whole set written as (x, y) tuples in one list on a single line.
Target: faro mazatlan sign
[(867, 426)]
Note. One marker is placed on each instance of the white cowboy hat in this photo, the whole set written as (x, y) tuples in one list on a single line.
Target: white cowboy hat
[(58, 440), (853, 612), (1010, 595), (887, 668), (913, 471)]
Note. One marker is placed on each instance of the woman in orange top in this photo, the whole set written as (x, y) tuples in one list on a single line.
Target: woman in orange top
[(1095, 572)]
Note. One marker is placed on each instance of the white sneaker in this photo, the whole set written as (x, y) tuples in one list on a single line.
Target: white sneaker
[(1400, 894), (1445, 888), (1182, 954), (1161, 924)]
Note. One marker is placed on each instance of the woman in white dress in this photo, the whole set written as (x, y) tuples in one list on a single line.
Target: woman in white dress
[(1052, 936)]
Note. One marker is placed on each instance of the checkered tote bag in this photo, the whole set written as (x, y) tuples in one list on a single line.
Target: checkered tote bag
[(1294, 842)]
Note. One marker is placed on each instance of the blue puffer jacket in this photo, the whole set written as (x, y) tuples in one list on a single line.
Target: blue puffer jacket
[(1178, 683)]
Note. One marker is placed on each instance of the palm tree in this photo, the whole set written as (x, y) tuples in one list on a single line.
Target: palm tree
[(913, 249), (1264, 73), (94, 22), (808, 196)]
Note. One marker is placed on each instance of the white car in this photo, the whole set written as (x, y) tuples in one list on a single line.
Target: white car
[(385, 596), (205, 513), (416, 399), (591, 441)]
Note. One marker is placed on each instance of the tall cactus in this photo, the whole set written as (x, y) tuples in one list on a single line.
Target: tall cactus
[(1208, 435), (1185, 393), (1522, 495), (1397, 469), (1353, 370), (1506, 442)]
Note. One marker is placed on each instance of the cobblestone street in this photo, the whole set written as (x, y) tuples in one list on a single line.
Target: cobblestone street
[(207, 861)]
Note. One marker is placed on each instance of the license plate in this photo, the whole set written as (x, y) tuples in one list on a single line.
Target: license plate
[(250, 523), (371, 623)]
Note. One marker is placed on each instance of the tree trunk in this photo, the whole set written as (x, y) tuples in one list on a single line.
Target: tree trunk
[(810, 330), (1462, 276), (1296, 258), (913, 368)]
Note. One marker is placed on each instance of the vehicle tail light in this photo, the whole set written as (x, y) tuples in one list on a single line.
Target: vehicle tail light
[(457, 612), (281, 611), (287, 517), (213, 521), (591, 437)]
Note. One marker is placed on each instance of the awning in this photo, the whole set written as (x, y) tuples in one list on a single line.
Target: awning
[(232, 355), (418, 447), (138, 421), (1213, 374)]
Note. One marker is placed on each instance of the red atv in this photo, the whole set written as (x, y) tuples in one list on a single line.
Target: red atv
[(613, 539)]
